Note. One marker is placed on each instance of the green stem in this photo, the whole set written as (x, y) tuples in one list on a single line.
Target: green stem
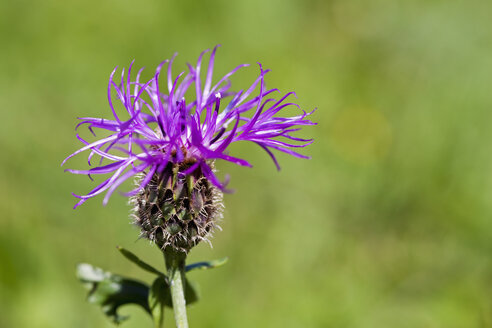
[(159, 323), (175, 263)]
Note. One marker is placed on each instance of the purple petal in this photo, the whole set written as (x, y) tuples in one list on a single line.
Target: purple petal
[(167, 128), (210, 70)]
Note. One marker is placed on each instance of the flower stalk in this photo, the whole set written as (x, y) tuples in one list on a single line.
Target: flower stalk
[(175, 263)]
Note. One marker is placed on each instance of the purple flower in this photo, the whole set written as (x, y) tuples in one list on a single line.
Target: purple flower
[(160, 126)]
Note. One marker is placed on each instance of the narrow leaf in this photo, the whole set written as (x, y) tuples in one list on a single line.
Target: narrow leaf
[(159, 296), (206, 264), (191, 292), (133, 258), (160, 293)]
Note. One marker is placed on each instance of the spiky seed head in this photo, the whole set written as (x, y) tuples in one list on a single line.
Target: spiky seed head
[(177, 210)]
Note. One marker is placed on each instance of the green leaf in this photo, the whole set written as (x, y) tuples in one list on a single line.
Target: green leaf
[(111, 291), (133, 258), (206, 264), (160, 293), (159, 296), (191, 292)]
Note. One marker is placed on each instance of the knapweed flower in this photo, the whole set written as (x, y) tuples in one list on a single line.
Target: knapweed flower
[(169, 142)]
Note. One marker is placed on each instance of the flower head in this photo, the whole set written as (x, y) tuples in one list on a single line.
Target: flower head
[(162, 133)]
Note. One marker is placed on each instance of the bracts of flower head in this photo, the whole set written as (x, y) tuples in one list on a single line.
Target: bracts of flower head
[(170, 143), (177, 210)]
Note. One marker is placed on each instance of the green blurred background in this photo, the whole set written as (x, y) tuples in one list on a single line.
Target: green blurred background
[(389, 224)]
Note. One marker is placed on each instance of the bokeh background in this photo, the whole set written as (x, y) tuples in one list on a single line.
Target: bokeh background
[(389, 224)]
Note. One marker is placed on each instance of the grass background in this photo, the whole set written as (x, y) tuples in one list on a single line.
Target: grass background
[(389, 224)]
